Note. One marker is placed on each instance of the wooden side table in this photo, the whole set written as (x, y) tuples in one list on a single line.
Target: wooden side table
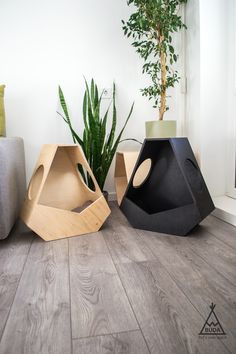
[(125, 162)]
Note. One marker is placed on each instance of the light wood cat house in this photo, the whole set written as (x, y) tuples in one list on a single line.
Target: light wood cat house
[(59, 203), (125, 162)]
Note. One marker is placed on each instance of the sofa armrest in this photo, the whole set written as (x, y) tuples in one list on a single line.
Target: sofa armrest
[(12, 182)]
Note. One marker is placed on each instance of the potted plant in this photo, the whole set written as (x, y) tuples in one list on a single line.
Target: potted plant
[(97, 142), (151, 26)]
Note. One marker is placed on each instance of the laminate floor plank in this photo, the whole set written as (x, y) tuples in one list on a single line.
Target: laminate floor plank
[(200, 283), (13, 255), (39, 320), (120, 343), (216, 253), (122, 240), (212, 250), (121, 290), (117, 217), (220, 229), (169, 322), (197, 277), (125, 246), (99, 304)]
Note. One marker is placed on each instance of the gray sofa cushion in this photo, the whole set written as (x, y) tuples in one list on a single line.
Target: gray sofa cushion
[(12, 182)]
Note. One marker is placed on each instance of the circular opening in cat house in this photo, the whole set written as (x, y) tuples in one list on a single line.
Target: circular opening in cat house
[(142, 173), (35, 182)]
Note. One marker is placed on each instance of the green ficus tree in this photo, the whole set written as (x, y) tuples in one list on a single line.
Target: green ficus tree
[(151, 26)]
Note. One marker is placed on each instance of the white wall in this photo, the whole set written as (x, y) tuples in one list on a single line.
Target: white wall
[(192, 126), (231, 98), (207, 95), (214, 72), (46, 43)]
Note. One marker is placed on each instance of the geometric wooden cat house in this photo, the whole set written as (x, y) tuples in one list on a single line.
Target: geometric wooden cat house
[(166, 192), (125, 162), (58, 203)]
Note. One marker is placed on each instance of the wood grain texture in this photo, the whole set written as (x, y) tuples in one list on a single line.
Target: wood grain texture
[(124, 165), (212, 250), (120, 343), (216, 253), (52, 223), (13, 255), (56, 189), (201, 284), (220, 229), (125, 246), (39, 321), (129, 289), (98, 301), (122, 240), (117, 218), (167, 318)]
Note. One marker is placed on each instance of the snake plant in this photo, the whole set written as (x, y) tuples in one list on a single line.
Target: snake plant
[(97, 142)]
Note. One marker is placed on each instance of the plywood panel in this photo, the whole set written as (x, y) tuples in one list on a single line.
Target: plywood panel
[(56, 189), (125, 162)]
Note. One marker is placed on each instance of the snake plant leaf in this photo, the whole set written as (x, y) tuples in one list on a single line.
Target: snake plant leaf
[(68, 121), (76, 136), (92, 90), (62, 117), (97, 105), (98, 143), (103, 129), (85, 108), (85, 141), (88, 96), (96, 99), (122, 130), (63, 103), (112, 151)]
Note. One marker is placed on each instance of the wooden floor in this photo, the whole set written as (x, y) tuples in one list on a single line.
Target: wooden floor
[(118, 291)]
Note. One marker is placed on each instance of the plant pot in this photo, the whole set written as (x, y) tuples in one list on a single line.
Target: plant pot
[(2, 112), (161, 129)]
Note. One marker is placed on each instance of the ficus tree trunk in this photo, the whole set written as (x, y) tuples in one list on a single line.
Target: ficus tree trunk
[(162, 107)]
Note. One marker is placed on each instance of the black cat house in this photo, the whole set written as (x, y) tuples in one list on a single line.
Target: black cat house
[(166, 192)]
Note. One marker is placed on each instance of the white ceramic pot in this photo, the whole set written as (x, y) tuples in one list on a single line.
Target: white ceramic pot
[(161, 129)]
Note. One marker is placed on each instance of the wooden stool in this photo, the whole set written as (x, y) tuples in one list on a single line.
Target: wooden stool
[(58, 203), (125, 162)]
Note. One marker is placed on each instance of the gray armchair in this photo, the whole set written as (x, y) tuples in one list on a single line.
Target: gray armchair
[(12, 182)]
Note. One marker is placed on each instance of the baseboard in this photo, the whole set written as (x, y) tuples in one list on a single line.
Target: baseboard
[(225, 209)]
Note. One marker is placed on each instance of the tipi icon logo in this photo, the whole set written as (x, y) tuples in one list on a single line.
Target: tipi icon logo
[(212, 325)]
